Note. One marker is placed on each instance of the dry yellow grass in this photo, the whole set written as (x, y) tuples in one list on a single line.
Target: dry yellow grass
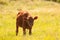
[(46, 27)]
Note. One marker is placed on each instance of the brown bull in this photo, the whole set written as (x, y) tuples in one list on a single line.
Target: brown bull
[(25, 21)]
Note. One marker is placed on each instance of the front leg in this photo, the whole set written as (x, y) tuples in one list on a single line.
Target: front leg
[(30, 31)]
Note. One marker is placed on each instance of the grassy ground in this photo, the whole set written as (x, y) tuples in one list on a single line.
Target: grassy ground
[(46, 27)]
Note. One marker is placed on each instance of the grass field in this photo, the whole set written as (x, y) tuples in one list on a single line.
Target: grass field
[(46, 27)]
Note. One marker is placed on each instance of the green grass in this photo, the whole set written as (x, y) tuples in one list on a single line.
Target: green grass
[(46, 27)]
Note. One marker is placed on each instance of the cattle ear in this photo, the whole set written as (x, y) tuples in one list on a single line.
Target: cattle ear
[(35, 17)]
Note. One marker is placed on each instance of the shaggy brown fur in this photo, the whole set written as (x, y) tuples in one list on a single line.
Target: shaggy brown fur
[(25, 21)]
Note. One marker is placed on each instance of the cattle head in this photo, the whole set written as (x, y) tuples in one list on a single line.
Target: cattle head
[(31, 20)]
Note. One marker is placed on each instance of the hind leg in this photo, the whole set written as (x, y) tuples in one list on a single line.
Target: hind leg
[(16, 29)]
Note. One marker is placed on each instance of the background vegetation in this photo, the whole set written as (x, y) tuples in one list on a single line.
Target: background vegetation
[(46, 27), (55, 0)]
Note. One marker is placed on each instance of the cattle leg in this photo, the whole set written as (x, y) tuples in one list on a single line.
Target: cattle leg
[(24, 31), (30, 31), (16, 30)]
